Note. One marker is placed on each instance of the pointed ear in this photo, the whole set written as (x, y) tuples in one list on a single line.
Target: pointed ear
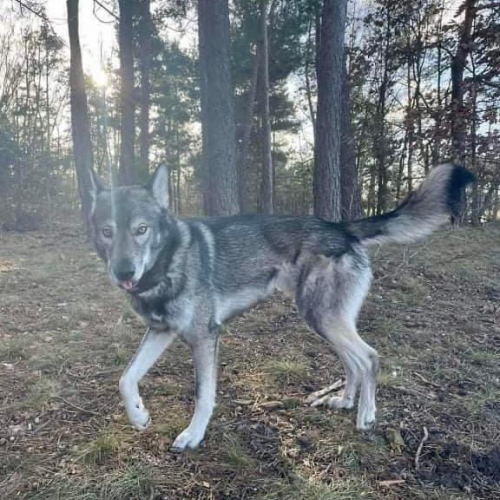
[(96, 185), (158, 185)]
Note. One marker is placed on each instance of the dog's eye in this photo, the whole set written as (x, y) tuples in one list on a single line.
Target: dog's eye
[(107, 233), (142, 229)]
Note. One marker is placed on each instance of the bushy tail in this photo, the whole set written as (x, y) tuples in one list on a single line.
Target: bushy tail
[(426, 209)]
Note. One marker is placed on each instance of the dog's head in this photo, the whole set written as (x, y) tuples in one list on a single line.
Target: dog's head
[(130, 226)]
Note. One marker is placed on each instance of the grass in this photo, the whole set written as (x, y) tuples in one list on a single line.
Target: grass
[(66, 338), (100, 450), (235, 455), (13, 349), (130, 483), (286, 371), (315, 489)]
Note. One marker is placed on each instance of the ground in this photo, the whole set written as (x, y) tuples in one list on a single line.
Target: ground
[(65, 336)]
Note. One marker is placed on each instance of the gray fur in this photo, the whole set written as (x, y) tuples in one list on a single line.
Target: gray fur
[(185, 277)]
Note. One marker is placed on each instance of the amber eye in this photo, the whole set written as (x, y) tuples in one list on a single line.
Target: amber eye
[(142, 229), (107, 233)]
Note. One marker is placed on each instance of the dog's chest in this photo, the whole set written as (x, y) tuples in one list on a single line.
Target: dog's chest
[(176, 315)]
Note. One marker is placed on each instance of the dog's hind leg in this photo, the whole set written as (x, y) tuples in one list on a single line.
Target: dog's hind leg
[(152, 346), (205, 365), (361, 364), (329, 296)]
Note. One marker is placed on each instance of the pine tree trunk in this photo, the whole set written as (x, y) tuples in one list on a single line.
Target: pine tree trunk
[(243, 162), (80, 123), (267, 164), (350, 187), (410, 129), (310, 103), (380, 144), (220, 187), (145, 33), (326, 179), (458, 62), (128, 174)]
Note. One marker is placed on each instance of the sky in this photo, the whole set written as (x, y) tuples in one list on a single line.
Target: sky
[(97, 32)]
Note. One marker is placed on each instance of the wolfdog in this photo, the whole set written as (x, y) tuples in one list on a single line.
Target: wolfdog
[(185, 277)]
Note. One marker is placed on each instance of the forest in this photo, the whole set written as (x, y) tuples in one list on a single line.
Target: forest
[(414, 85), (337, 109)]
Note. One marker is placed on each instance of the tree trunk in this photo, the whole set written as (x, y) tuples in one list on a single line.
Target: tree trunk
[(350, 187), (458, 62), (80, 124), (326, 179), (128, 174), (410, 124), (310, 103), (145, 33), (244, 150), (267, 164), (220, 190), (380, 133)]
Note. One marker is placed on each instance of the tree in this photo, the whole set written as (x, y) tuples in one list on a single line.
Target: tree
[(145, 33), (350, 187), (220, 191), (127, 173), (80, 124), (457, 118), (326, 181), (243, 152), (267, 164)]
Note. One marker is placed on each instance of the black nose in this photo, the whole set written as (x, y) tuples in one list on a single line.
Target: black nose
[(124, 271)]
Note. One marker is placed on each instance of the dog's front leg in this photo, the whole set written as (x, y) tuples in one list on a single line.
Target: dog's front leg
[(152, 346), (205, 366)]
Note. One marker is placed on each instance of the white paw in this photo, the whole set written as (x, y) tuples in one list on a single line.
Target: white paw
[(139, 416), (366, 419), (187, 439), (340, 402)]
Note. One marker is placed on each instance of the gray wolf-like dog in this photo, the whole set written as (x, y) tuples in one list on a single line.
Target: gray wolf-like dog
[(185, 277)]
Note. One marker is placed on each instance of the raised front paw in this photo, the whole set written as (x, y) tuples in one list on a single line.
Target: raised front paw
[(139, 416), (188, 438)]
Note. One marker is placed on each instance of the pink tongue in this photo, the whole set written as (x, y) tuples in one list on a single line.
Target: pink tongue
[(128, 285)]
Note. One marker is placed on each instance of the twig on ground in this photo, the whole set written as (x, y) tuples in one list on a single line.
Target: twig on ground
[(40, 427), (391, 482), (315, 395), (423, 379), (420, 446), (78, 408)]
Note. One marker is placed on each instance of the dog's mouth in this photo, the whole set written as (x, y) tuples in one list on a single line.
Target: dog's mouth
[(128, 285)]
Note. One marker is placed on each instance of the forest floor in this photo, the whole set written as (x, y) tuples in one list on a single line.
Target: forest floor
[(66, 335)]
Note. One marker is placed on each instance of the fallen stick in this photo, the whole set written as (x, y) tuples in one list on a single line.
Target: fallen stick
[(78, 408), (391, 482), (315, 395), (420, 446)]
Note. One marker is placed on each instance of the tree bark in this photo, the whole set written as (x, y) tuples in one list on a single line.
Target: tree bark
[(326, 178), (458, 122), (243, 162), (145, 33), (380, 145), (127, 173), (220, 190), (350, 187), (80, 123), (267, 164)]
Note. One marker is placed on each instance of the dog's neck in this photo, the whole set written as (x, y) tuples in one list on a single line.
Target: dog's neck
[(158, 280)]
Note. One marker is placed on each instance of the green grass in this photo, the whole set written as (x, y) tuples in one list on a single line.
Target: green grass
[(234, 454), (127, 483), (317, 489), (14, 349), (286, 371), (100, 450)]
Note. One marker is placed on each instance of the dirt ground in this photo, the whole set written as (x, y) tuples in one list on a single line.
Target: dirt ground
[(66, 335)]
